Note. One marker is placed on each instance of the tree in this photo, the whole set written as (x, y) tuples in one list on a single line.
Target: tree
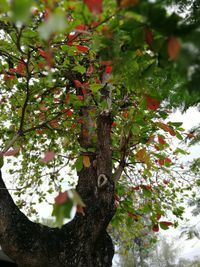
[(88, 85)]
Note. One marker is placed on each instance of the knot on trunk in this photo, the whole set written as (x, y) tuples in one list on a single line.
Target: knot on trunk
[(102, 180)]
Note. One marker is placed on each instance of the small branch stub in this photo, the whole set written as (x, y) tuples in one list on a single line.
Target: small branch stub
[(102, 180)]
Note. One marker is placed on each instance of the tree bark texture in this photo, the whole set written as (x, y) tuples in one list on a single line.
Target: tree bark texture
[(83, 242)]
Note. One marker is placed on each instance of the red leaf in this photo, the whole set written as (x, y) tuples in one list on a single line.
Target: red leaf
[(80, 121), (8, 77), (117, 198), (158, 216), (105, 63), (69, 112), (161, 140), (46, 13), (47, 55), (67, 99), (161, 162), (81, 27), (95, 6), (151, 139), (77, 84), (168, 160), (42, 53), (20, 68), (82, 48), (71, 38), (114, 124), (61, 198), (152, 103), (148, 35), (48, 156), (80, 97), (90, 70), (84, 91), (136, 188), (108, 69), (173, 47), (165, 181), (171, 131), (155, 228)]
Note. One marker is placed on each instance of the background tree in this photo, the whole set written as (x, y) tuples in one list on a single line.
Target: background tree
[(87, 87)]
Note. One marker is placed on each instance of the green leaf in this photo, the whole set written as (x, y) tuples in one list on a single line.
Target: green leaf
[(164, 226), (175, 124), (79, 163), (179, 136), (146, 192), (1, 162), (62, 212), (95, 87), (21, 9), (79, 68), (4, 6)]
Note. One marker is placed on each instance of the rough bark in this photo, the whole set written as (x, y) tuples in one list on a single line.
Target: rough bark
[(84, 241)]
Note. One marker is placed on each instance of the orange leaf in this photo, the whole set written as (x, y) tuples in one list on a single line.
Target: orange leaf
[(166, 128), (125, 114), (54, 124), (127, 3), (173, 47), (86, 161), (79, 209), (190, 135), (143, 156)]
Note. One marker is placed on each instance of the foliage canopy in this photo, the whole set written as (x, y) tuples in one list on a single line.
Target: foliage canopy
[(63, 63)]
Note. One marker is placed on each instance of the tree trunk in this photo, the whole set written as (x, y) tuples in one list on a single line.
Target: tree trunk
[(83, 242)]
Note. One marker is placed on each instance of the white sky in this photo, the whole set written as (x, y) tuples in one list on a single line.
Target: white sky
[(187, 248)]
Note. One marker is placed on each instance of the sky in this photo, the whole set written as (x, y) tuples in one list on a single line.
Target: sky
[(187, 248)]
